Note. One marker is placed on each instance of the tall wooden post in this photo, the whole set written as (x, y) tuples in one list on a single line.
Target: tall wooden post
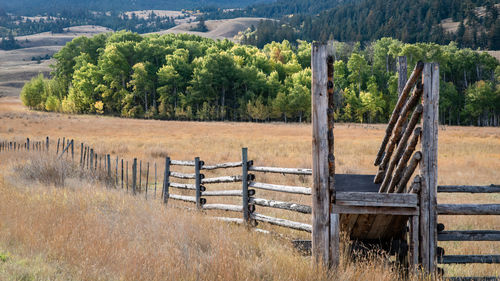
[(428, 167), (47, 144), (321, 189), (28, 144), (166, 181), (244, 179)]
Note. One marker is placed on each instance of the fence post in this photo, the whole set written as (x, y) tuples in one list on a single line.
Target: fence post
[(428, 167), (95, 167), (73, 150), (109, 166), (197, 182), (81, 154), (166, 181), (320, 190), (28, 143), (47, 142), (147, 179), (122, 173), (126, 170), (134, 175), (244, 180), (91, 159), (116, 172), (140, 175), (58, 141)]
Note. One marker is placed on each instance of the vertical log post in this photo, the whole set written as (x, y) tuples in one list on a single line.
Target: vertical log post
[(134, 175), (108, 158), (244, 179), (320, 190), (81, 154), (28, 144), (122, 173), (197, 181), (72, 150), (47, 142), (126, 170), (147, 179), (57, 150), (155, 180), (140, 175), (166, 181), (91, 159), (95, 166), (116, 172), (428, 167), (334, 218)]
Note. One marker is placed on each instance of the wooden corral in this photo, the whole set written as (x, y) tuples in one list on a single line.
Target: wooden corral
[(397, 207)]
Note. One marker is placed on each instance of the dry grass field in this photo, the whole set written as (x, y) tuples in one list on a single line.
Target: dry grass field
[(86, 232)]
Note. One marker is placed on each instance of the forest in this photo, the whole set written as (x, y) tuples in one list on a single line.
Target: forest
[(410, 21), (186, 77)]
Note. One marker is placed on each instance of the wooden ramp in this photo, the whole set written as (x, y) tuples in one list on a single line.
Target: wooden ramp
[(362, 224)]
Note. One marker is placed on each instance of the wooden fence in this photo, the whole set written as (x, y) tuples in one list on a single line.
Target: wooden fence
[(195, 187)]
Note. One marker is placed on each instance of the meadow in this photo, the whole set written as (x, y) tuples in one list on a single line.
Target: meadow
[(87, 232)]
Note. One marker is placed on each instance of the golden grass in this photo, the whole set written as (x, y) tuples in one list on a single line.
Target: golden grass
[(95, 233), (467, 155)]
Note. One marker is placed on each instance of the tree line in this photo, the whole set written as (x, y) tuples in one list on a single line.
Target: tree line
[(187, 77), (410, 21)]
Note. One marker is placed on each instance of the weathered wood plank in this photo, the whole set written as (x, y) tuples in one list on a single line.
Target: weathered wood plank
[(277, 170), (469, 235), (469, 188), (181, 163), (468, 209), (222, 193), (382, 199), (230, 220), (222, 166), (282, 222), (281, 205), (183, 186), (281, 188), (184, 198), (222, 207), (399, 211), (222, 179), (182, 175), (463, 259)]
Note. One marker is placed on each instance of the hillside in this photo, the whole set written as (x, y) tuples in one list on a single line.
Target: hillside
[(20, 65), (217, 29)]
